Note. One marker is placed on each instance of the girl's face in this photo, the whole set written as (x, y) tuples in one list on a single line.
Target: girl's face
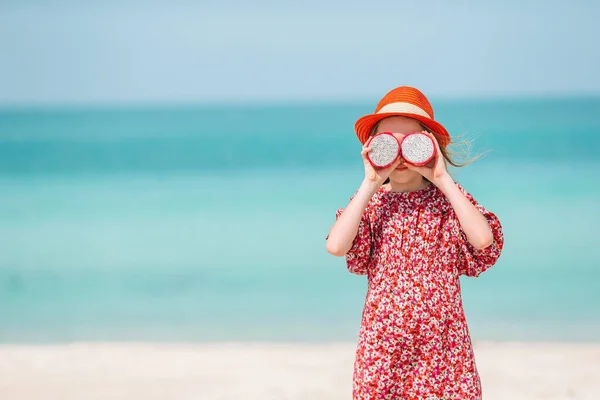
[(400, 127)]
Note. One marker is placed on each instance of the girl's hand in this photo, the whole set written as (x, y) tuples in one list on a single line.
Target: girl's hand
[(376, 175), (435, 171)]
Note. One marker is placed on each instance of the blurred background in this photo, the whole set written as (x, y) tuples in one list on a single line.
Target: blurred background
[(169, 170)]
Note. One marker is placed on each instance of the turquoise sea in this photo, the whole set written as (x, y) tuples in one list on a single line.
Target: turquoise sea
[(202, 223)]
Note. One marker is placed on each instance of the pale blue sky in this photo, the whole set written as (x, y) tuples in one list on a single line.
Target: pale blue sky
[(185, 51)]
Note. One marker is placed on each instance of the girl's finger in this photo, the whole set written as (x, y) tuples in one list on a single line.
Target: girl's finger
[(420, 170)]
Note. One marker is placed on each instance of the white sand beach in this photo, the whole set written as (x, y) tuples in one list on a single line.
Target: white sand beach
[(147, 371)]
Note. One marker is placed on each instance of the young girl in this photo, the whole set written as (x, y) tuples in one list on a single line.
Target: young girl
[(413, 231)]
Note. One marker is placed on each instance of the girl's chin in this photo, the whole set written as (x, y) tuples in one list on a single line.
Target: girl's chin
[(402, 172)]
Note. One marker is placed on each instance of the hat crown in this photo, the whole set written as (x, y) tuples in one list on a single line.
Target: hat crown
[(406, 94)]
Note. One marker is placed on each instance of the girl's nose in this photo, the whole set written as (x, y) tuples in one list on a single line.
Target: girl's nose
[(398, 136)]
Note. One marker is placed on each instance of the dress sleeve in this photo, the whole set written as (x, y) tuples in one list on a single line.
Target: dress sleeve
[(471, 261), (358, 257)]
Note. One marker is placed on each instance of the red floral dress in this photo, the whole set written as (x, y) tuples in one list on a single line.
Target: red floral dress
[(414, 342)]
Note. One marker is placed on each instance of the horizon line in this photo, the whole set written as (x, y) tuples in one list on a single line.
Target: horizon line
[(283, 102)]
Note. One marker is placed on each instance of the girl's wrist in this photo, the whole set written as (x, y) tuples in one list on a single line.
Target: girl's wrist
[(444, 182), (370, 186)]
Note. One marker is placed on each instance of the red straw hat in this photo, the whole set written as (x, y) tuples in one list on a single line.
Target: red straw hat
[(407, 102)]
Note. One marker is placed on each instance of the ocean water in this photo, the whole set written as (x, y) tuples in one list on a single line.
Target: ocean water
[(208, 223)]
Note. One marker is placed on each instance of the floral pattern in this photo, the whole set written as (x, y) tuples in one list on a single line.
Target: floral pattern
[(414, 342)]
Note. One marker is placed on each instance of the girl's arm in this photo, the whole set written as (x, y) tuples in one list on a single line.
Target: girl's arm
[(473, 223), (344, 230), (342, 233)]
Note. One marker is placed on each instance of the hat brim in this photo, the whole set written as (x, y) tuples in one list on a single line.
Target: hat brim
[(364, 125)]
